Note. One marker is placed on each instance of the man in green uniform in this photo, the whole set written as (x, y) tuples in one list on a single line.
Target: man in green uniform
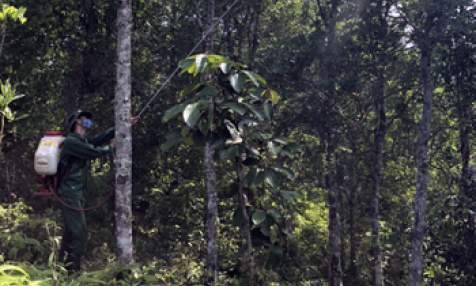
[(73, 173)]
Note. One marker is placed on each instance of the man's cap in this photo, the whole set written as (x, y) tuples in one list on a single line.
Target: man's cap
[(75, 115)]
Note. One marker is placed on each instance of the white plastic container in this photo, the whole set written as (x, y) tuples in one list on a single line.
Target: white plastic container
[(47, 155)]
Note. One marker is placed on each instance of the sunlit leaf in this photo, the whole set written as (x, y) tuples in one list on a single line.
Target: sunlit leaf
[(237, 81), (238, 108), (268, 111), (258, 217), (272, 177), (287, 171), (173, 112), (191, 114)]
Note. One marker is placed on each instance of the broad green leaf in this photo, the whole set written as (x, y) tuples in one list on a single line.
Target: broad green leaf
[(230, 153), (259, 179), (272, 177), (237, 81), (288, 152), (189, 90), (287, 195), (185, 130), (209, 91), (23, 116), (281, 140), (173, 112), (191, 114), (250, 178), (218, 144), (201, 62), (249, 122), (276, 214), (287, 171), (225, 67), (176, 133), (255, 110), (258, 217), (170, 143), (186, 64), (293, 146), (238, 108), (268, 111), (255, 94), (253, 77), (273, 95), (217, 59), (204, 126), (265, 227), (254, 151), (274, 149)]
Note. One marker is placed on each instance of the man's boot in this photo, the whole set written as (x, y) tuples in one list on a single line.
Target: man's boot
[(74, 264)]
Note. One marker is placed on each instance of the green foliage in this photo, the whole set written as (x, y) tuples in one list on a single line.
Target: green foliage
[(16, 14), (7, 96)]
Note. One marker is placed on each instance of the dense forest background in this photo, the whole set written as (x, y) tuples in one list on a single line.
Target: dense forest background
[(380, 95)]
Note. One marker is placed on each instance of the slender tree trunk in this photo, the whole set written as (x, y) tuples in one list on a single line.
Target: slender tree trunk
[(335, 263), (418, 233), (3, 30), (381, 130), (465, 131), (352, 272), (240, 169), (212, 250), (123, 133), (335, 259), (2, 126)]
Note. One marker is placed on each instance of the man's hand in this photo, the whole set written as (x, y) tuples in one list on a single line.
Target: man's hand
[(113, 144), (134, 120)]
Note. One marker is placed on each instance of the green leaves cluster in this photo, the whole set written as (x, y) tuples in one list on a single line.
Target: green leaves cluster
[(233, 111), (12, 13), (224, 110), (8, 95)]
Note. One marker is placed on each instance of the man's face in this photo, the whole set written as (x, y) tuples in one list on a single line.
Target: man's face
[(79, 122)]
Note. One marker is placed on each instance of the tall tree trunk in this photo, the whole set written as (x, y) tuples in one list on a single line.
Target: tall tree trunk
[(3, 31), (381, 130), (465, 131), (335, 259), (352, 270), (123, 133), (212, 250), (240, 169), (418, 233), (335, 263)]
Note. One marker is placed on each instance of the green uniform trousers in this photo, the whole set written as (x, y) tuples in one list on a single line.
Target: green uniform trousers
[(75, 232)]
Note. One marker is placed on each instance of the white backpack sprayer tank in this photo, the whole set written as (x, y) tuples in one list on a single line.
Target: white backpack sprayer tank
[(47, 157)]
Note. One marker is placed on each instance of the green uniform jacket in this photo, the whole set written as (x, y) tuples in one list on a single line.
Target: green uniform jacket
[(79, 150)]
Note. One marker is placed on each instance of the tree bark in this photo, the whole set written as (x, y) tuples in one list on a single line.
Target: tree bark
[(335, 263), (381, 130), (212, 250), (418, 233), (123, 133), (240, 169)]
